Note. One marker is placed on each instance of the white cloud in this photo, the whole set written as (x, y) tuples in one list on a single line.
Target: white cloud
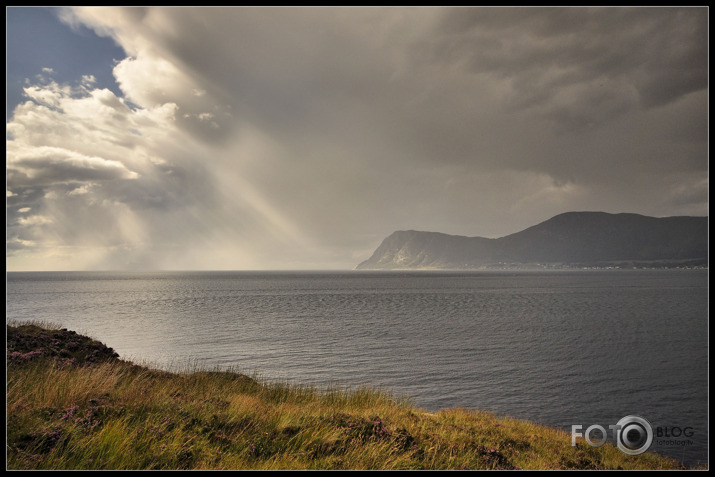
[(150, 82), (50, 95), (46, 165), (81, 190), (74, 157), (88, 80), (35, 220)]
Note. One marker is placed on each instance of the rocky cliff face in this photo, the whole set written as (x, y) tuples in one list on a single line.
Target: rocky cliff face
[(573, 238)]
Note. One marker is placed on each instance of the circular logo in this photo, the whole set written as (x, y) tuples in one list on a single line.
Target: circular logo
[(633, 435)]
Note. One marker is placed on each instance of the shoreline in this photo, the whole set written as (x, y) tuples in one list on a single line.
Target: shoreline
[(74, 404)]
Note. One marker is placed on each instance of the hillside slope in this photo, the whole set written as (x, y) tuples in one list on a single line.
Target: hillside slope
[(573, 238), (73, 404)]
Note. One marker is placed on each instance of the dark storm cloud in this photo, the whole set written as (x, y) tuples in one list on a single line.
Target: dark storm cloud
[(661, 53), (283, 69)]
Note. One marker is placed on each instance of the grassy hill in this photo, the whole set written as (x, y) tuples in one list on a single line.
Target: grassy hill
[(73, 404)]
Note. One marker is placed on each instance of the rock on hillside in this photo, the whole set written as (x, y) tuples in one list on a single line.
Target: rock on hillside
[(26, 343)]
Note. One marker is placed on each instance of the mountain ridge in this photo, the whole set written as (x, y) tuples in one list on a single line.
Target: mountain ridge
[(570, 239)]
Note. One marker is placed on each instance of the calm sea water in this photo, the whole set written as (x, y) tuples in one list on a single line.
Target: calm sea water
[(559, 348)]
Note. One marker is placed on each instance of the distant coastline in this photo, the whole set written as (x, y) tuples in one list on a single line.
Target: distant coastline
[(573, 240)]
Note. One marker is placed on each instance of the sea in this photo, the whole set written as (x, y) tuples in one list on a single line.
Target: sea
[(562, 348)]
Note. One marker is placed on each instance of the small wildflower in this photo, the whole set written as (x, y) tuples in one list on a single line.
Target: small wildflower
[(69, 413)]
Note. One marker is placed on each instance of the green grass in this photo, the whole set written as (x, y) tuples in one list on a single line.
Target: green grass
[(64, 412)]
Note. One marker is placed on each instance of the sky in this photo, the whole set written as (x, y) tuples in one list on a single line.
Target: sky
[(242, 138)]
